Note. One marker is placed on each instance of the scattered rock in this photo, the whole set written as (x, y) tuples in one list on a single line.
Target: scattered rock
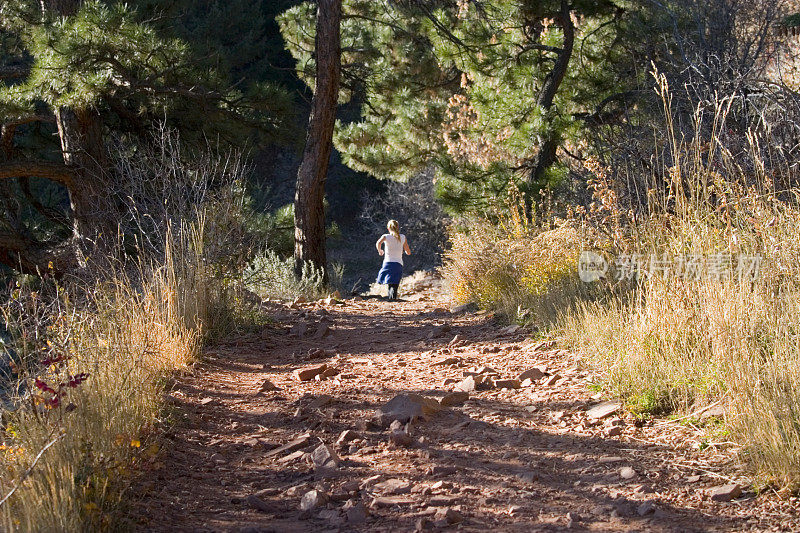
[(300, 442), (528, 477), (268, 386), (258, 504), (331, 515), (552, 380), (534, 373), (392, 487), (454, 398), (468, 384), (438, 331), (405, 408), (323, 330), (323, 456), (400, 437), (505, 383), (442, 501), (300, 328), (447, 361), (464, 308), (614, 431), (602, 410), (510, 330), (356, 513), (439, 470), (725, 493), (627, 472), (391, 501), (310, 372), (320, 401), (693, 479), (292, 457), (645, 509), (347, 436), (423, 524), (449, 515), (312, 499)]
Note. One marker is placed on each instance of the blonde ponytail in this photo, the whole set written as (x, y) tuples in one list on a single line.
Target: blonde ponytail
[(394, 229)]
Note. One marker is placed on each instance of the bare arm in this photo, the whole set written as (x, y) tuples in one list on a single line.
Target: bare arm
[(406, 248), (378, 244)]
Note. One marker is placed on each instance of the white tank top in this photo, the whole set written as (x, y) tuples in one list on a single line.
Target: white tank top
[(393, 248)]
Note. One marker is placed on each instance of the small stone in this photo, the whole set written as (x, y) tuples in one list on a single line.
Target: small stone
[(468, 384), (391, 501), (392, 486), (645, 509), (454, 398), (533, 374), (528, 477), (510, 330), (449, 515), (438, 331), (551, 380), (312, 499), (463, 308), (406, 407), (442, 501), (292, 457), (320, 401), (323, 330), (268, 386), (514, 510), (573, 518), (725, 493), (323, 456), (693, 479), (401, 438), (604, 409), (627, 472), (300, 442), (347, 436), (423, 524), (356, 514), (505, 383), (439, 470), (309, 373), (300, 328), (258, 504), (613, 431), (447, 361)]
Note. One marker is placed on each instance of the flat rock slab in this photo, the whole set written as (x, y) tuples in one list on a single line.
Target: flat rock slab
[(602, 410), (406, 407), (310, 372), (454, 398), (725, 493), (300, 442)]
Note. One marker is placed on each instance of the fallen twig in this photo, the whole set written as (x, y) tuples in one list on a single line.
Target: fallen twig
[(30, 468)]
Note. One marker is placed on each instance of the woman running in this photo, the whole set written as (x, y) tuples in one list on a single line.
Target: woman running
[(395, 244)]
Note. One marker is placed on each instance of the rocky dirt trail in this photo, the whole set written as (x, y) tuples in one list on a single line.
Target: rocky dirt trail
[(296, 429)]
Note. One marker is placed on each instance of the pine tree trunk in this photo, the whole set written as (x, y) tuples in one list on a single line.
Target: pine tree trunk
[(94, 214), (549, 142), (309, 213)]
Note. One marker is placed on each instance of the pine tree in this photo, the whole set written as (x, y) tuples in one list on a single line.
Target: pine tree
[(485, 92), (82, 68)]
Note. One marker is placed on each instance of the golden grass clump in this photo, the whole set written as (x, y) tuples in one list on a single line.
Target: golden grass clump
[(93, 393), (506, 263)]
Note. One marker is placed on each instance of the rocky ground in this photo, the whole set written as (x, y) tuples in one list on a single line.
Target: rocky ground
[(368, 415)]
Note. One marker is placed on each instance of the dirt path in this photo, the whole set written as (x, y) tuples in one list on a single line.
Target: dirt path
[(526, 459)]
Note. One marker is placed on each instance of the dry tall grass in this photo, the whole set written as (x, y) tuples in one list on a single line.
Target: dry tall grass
[(696, 326), (96, 363)]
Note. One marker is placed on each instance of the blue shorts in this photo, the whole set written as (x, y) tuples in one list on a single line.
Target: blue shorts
[(390, 273)]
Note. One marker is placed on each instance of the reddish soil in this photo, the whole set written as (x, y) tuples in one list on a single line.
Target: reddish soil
[(525, 459)]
